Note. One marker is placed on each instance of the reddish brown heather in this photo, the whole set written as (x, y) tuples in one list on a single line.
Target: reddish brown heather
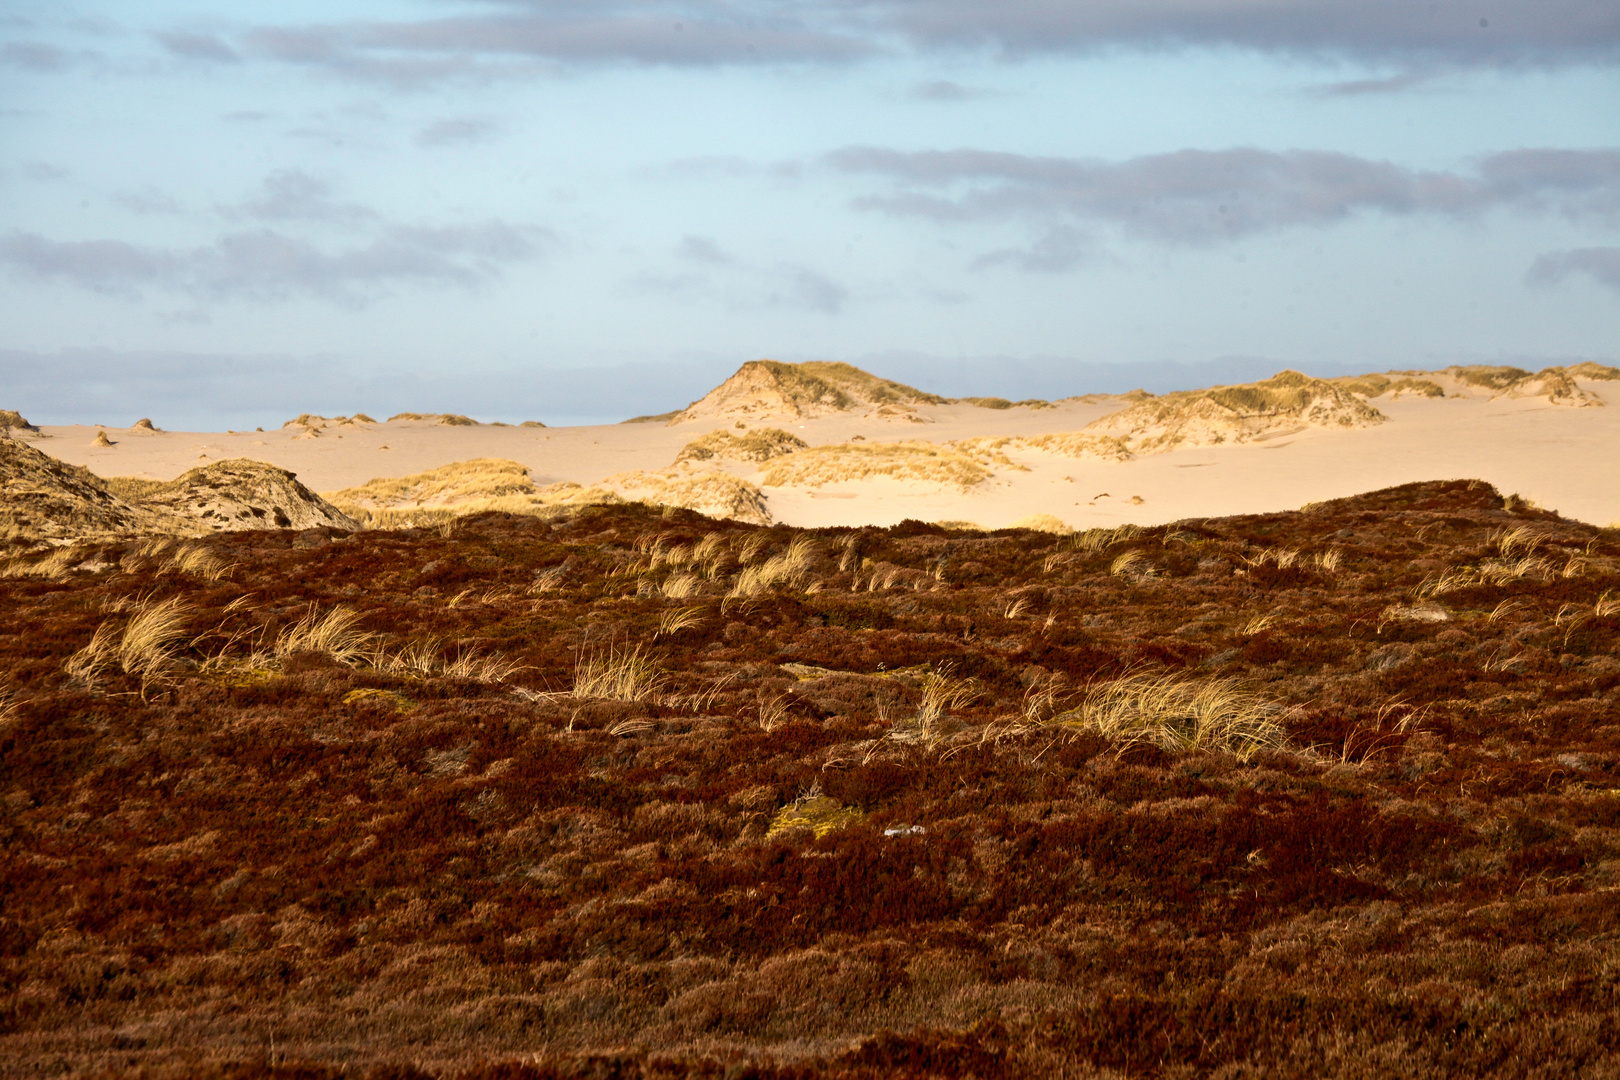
[(274, 864)]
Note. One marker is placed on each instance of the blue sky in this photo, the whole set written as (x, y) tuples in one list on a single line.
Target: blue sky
[(223, 215)]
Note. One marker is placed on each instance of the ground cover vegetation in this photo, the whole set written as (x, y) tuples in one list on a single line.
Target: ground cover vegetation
[(623, 792)]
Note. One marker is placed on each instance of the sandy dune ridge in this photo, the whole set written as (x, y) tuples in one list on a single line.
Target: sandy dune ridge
[(821, 444)]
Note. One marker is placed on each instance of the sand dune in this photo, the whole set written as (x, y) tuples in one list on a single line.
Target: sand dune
[(828, 444)]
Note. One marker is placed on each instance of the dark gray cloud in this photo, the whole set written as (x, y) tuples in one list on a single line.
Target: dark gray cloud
[(1463, 32), (462, 129), (191, 46), (514, 36), (1602, 264), (265, 265), (1211, 196)]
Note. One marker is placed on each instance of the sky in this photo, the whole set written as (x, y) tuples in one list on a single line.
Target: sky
[(221, 215)]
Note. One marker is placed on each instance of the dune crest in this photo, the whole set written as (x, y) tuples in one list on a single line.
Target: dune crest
[(228, 496), (42, 498), (763, 390), (1248, 412)]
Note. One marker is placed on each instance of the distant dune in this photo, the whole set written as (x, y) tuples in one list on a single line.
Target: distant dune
[(818, 444)]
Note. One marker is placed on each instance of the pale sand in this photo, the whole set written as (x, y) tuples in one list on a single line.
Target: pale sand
[(1563, 458)]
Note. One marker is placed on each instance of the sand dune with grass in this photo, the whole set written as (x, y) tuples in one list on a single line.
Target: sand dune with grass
[(827, 444)]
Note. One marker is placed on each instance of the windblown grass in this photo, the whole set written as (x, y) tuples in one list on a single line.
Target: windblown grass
[(334, 634), (675, 620), (618, 674), (55, 565), (145, 649), (790, 568), (1179, 714)]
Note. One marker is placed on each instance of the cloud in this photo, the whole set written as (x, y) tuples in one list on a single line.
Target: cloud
[(1387, 85), (294, 195), (149, 200), (214, 391), (456, 130), (1602, 264), (264, 265), (714, 275), (1062, 248), (1204, 197), (189, 46), (690, 34), (945, 90), (802, 287), (1461, 32), (517, 36), (34, 56), (702, 249), (43, 170)]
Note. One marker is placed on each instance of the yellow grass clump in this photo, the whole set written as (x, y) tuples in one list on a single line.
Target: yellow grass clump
[(790, 568), (761, 444), (335, 634), (1047, 523), (145, 649), (1180, 715), (618, 674), (915, 461), (463, 481)]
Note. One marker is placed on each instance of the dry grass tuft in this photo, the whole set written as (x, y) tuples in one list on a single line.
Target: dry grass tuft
[(790, 568), (1047, 523), (1180, 715), (145, 650), (1131, 564), (332, 634), (679, 586), (1522, 539), (618, 675), (55, 565), (1095, 540), (942, 693), (675, 620)]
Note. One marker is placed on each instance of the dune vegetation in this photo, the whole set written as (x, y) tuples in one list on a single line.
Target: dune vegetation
[(916, 461), (630, 792)]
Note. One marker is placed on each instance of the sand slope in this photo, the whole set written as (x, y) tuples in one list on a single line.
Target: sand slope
[(877, 452)]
